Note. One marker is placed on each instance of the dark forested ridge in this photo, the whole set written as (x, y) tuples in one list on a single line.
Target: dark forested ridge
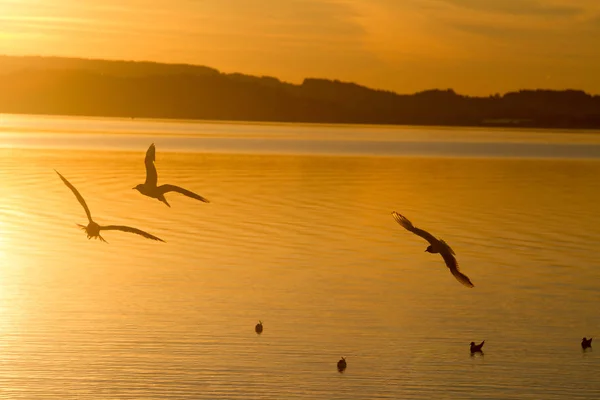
[(68, 86)]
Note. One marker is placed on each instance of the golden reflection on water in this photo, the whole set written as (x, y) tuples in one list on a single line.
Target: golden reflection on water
[(308, 246)]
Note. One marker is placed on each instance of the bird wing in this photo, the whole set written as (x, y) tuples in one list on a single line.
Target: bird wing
[(78, 195), (402, 220), (131, 230), (172, 188), (447, 246), (151, 174), (452, 264)]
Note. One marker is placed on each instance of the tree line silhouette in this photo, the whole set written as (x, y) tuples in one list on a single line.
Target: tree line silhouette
[(71, 86)]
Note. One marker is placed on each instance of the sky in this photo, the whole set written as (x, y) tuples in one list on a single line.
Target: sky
[(476, 47)]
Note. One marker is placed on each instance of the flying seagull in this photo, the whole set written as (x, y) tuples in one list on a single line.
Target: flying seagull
[(93, 229), (149, 187), (436, 246)]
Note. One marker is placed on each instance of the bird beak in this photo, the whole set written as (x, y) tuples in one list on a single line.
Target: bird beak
[(133, 188)]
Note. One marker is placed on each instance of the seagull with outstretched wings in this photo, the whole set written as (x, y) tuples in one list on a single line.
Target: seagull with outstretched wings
[(436, 246), (93, 229), (149, 187)]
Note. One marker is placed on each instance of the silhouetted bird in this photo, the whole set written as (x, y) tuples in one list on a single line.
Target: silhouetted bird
[(436, 246), (476, 348), (93, 229), (341, 365), (259, 327), (586, 343), (149, 187)]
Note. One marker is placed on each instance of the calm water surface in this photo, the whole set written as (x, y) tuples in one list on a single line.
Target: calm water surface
[(299, 235)]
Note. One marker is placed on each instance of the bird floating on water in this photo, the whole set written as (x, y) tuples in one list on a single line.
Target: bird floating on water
[(476, 348), (93, 229), (436, 246), (341, 365), (258, 328), (149, 188), (586, 343)]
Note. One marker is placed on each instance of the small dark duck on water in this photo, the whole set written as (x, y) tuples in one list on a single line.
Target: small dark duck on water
[(258, 328), (341, 365), (476, 348), (586, 343)]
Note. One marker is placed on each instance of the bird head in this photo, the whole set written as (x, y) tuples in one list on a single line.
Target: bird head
[(429, 249), (472, 343), (138, 187)]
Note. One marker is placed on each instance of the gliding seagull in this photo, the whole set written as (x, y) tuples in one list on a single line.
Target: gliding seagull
[(149, 187), (93, 229), (436, 246)]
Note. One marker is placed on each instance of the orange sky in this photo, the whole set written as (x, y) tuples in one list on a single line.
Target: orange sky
[(473, 46)]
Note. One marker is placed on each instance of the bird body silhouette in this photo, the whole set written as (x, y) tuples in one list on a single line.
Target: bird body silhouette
[(436, 246), (586, 343), (258, 328), (476, 348), (93, 229), (341, 365), (149, 187)]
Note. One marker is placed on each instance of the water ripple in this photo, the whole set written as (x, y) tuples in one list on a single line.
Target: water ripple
[(308, 245)]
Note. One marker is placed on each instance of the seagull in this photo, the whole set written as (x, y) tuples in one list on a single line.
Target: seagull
[(258, 328), (341, 365), (149, 187), (93, 229), (586, 343), (476, 348), (436, 246)]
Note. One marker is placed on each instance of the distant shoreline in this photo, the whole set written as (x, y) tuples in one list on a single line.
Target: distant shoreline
[(303, 124), (124, 89)]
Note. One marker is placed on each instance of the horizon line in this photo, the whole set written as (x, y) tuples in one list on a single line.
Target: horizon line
[(303, 80)]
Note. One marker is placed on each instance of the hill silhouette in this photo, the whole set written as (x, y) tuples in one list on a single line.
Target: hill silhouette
[(71, 86)]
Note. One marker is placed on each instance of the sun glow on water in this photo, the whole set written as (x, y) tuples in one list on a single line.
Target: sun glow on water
[(3, 243), (305, 243)]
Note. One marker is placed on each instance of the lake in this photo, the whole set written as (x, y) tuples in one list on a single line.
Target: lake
[(298, 234)]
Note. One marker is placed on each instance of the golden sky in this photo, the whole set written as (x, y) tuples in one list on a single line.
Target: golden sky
[(473, 46)]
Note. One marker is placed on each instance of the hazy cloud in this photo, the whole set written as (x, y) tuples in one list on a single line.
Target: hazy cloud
[(518, 7), (477, 46), (495, 31), (323, 19)]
